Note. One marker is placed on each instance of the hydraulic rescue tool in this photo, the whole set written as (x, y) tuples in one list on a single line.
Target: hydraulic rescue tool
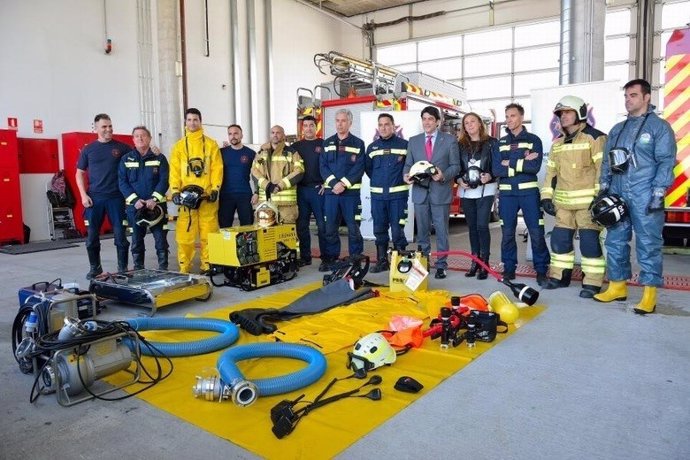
[(152, 289)]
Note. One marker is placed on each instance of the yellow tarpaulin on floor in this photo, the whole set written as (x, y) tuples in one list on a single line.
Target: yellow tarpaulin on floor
[(328, 430)]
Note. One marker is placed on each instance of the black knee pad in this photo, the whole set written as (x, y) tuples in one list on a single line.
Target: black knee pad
[(562, 240)]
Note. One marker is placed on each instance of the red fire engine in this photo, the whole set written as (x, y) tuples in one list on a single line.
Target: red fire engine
[(362, 86), (677, 112)]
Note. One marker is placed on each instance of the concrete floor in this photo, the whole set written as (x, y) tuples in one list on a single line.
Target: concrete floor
[(583, 380)]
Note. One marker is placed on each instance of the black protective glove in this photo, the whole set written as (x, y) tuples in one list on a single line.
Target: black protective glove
[(270, 188), (213, 197), (176, 199), (656, 202), (548, 207)]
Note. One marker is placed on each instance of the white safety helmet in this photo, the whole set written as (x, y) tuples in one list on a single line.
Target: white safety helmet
[(421, 172), (572, 103), (370, 352), (266, 214)]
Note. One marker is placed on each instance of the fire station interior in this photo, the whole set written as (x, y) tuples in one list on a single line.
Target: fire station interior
[(571, 378)]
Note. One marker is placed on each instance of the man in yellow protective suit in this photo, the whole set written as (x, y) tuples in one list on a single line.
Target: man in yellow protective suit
[(277, 169), (196, 174)]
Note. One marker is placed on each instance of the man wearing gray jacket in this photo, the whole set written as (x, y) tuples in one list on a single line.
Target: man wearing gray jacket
[(432, 201)]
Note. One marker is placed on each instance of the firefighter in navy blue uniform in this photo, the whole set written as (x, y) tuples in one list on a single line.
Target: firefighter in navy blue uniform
[(342, 166), (516, 161), (570, 185), (384, 165), (143, 179), (98, 163), (236, 192), (310, 192)]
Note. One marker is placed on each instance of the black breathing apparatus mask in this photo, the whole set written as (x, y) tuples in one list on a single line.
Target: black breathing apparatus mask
[(196, 165), (473, 177), (621, 157)]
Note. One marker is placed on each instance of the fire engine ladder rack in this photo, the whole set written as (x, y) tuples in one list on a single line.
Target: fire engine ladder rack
[(308, 98), (358, 75)]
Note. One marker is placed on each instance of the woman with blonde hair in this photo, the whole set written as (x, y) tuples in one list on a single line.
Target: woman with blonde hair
[(477, 187)]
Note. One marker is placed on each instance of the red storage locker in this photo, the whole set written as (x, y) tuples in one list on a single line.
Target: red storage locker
[(11, 224), (38, 156), (72, 144)]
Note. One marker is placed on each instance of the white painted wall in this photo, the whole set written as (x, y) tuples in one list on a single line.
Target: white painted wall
[(299, 32), (54, 68)]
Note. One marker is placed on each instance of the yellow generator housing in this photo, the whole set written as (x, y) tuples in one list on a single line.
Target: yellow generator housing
[(252, 256), (402, 267)]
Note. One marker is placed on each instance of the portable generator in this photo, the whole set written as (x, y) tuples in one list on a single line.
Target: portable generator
[(252, 256)]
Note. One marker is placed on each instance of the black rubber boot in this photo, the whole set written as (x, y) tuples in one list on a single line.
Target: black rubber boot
[(95, 267), (138, 261), (382, 264), (588, 291), (482, 274), (555, 283), (162, 260), (122, 260), (473, 268)]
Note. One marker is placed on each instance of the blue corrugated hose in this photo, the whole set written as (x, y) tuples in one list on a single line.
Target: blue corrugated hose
[(228, 335), (230, 373)]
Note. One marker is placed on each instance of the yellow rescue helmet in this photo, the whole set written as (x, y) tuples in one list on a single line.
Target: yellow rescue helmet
[(506, 309)]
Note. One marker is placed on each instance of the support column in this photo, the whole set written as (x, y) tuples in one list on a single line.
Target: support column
[(169, 80), (582, 41), (644, 41)]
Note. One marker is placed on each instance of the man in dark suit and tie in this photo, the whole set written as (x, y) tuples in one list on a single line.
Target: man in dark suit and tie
[(432, 203)]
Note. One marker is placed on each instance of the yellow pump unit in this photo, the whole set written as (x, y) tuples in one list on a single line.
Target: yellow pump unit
[(405, 273), (252, 256)]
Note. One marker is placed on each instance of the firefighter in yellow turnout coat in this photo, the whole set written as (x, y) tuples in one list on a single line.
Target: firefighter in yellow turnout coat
[(195, 161), (277, 169), (571, 183)]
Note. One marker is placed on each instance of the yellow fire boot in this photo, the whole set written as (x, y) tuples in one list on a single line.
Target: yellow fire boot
[(617, 290), (648, 302)]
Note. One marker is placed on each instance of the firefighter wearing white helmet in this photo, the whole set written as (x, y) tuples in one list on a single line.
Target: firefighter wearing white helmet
[(570, 185)]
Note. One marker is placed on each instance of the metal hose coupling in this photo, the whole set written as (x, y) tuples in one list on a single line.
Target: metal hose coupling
[(243, 392), (210, 388)]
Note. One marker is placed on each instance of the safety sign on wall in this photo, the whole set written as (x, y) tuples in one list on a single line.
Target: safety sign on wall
[(38, 126), (12, 123)]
